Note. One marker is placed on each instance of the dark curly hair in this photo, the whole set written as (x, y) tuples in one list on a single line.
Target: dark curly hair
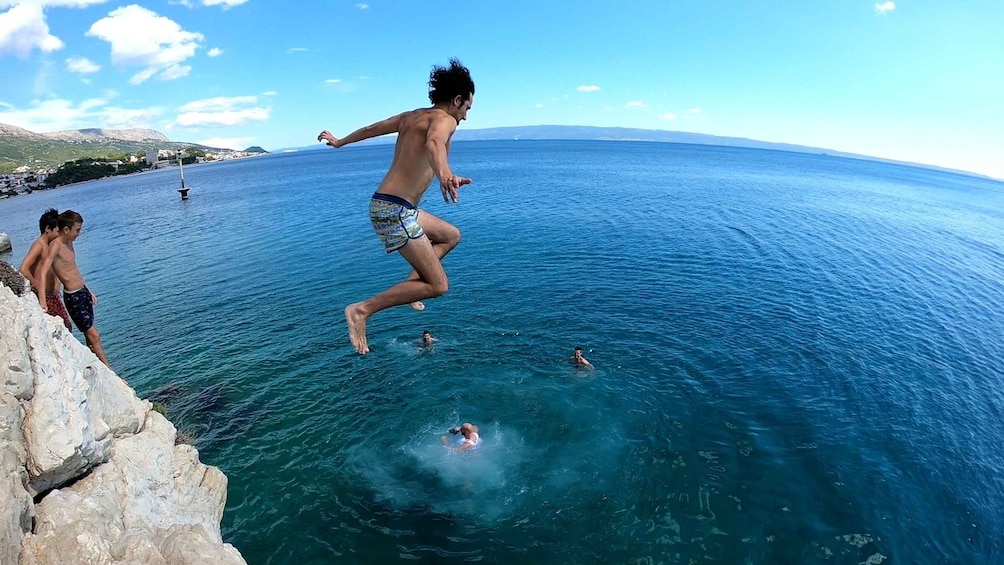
[(446, 83), (49, 220)]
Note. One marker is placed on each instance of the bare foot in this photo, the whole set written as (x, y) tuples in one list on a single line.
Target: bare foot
[(417, 306), (355, 317)]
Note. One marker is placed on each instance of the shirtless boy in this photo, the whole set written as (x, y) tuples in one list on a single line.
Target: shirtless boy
[(423, 143), (48, 225), (80, 302)]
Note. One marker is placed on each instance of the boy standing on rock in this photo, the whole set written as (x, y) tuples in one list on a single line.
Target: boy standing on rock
[(80, 302), (49, 228)]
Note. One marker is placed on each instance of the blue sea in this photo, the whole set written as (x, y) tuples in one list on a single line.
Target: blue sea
[(798, 358)]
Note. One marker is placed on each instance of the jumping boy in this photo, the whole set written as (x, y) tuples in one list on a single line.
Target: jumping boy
[(80, 302), (421, 150), (48, 226)]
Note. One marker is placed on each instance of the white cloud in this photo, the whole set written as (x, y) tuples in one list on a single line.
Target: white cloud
[(56, 114), (333, 81), (23, 28), (885, 7), (588, 88), (52, 3), (221, 111), (175, 72), (269, 93), (694, 111), (227, 4), (81, 65), (668, 116), (215, 52), (219, 103), (636, 104), (236, 143), (142, 38), (538, 105), (297, 50), (362, 6)]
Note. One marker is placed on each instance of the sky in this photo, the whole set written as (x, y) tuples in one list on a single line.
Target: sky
[(912, 80)]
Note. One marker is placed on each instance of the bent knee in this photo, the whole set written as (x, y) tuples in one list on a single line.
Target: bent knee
[(454, 237), (440, 287)]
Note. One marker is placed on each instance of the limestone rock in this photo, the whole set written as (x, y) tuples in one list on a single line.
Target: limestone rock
[(5, 245), (78, 406), (15, 502), (15, 365), (152, 502), (115, 487), (11, 277)]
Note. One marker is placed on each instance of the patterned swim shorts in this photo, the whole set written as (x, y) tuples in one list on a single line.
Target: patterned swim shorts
[(81, 309), (395, 220)]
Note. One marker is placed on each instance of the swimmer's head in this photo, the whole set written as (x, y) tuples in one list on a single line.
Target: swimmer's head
[(455, 430)]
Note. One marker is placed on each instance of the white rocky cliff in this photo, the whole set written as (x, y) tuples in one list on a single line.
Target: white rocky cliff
[(88, 472)]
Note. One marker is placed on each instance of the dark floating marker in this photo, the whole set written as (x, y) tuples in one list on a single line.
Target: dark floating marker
[(182, 190)]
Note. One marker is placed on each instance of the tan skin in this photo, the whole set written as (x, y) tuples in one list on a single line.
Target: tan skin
[(62, 260), (423, 144), (33, 260), (578, 359)]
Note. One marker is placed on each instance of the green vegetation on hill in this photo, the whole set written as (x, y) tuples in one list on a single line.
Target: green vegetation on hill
[(39, 152), (89, 169)]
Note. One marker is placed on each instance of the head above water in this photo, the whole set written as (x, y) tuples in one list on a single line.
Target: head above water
[(578, 352), (452, 89), (48, 221)]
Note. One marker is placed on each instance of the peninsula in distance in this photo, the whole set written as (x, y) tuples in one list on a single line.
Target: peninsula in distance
[(596, 133), (49, 149)]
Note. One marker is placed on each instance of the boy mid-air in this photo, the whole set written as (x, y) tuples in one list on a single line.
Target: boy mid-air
[(420, 153)]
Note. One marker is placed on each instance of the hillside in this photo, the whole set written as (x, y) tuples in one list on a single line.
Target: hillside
[(19, 146)]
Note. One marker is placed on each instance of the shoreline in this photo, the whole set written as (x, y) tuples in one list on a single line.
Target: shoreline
[(146, 171)]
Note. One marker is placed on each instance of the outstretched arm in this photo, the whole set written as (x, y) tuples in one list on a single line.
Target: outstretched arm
[(390, 125), (440, 131)]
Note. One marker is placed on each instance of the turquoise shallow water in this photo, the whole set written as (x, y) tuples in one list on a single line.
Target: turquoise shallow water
[(799, 358)]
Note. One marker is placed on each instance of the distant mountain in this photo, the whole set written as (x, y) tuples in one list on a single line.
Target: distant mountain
[(14, 131), (633, 134), (19, 146), (255, 149), (98, 135)]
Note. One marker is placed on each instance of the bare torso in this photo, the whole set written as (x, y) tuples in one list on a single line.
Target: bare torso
[(64, 264), (40, 248), (411, 172)]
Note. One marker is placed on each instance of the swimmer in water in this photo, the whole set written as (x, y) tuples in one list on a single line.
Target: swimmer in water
[(470, 439), (579, 360), (427, 338)]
